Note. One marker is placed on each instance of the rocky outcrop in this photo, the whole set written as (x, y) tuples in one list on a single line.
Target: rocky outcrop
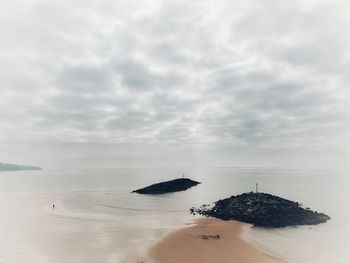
[(168, 187), (261, 209)]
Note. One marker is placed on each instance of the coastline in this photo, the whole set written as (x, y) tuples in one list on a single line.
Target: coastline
[(213, 241)]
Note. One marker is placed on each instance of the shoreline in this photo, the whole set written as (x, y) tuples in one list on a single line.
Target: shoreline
[(211, 240)]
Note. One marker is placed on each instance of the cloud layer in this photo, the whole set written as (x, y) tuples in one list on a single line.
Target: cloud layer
[(269, 75)]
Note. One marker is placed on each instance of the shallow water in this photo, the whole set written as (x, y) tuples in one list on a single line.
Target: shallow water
[(97, 219)]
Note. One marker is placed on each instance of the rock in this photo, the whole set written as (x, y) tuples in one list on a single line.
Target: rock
[(168, 187), (261, 209), (209, 236)]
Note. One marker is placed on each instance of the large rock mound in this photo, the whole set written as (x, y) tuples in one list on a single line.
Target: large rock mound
[(261, 209), (168, 186)]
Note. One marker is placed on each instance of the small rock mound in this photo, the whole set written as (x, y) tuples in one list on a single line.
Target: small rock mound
[(261, 209), (168, 187)]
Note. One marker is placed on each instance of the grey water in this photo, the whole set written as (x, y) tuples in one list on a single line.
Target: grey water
[(97, 219)]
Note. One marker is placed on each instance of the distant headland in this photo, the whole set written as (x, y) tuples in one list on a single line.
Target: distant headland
[(261, 209), (14, 167), (176, 185)]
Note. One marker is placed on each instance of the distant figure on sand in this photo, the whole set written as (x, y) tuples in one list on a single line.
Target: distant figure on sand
[(53, 206)]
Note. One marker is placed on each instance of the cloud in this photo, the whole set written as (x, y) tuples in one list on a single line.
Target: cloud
[(265, 75)]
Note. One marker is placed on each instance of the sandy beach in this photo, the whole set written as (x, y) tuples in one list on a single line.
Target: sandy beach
[(213, 241), (100, 221)]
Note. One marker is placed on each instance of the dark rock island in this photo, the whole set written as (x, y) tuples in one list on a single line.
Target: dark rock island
[(261, 209), (168, 187)]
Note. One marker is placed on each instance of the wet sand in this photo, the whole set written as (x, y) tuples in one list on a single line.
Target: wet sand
[(212, 241)]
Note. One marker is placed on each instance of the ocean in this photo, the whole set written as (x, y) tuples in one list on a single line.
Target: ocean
[(97, 219)]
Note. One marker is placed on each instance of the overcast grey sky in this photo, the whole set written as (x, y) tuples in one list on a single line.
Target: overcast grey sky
[(192, 81)]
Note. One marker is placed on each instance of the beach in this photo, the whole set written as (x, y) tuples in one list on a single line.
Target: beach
[(213, 241), (96, 218)]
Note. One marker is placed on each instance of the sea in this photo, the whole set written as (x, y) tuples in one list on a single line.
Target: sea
[(96, 218)]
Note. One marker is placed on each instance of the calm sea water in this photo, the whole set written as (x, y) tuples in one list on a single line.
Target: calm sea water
[(97, 219)]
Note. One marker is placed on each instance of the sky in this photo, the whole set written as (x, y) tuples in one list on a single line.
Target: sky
[(92, 83)]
